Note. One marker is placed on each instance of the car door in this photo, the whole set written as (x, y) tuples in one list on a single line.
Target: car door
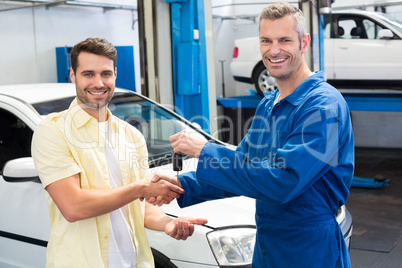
[(357, 52), (23, 242)]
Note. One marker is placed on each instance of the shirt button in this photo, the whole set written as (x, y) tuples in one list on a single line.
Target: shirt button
[(106, 237), (269, 108)]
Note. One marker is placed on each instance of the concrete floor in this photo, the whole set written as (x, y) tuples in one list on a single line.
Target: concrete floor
[(377, 213)]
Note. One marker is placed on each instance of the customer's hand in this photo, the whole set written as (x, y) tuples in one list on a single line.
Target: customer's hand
[(160, 189), (183, 227), (159, 200), (187, 142)]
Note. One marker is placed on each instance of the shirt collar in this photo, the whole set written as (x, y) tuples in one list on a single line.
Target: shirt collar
[(80, 117), (301, 91), (304, 88)]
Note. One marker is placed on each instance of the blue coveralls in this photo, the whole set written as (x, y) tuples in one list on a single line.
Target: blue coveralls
[(297, 161)]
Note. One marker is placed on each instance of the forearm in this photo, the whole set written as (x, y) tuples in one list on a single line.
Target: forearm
[(78, 204), (198, 191), (97, 202), (155, 218)]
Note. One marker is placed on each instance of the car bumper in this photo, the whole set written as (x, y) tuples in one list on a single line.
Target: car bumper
[(242, 70)]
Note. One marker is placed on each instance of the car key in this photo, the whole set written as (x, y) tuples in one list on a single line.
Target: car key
[(177, 162)]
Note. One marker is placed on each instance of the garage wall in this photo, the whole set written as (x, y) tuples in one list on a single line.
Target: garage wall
[(228, 27), (29, 37), (377, 129)]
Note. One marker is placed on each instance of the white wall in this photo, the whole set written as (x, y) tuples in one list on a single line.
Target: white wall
[(28, 38), (227, 29)]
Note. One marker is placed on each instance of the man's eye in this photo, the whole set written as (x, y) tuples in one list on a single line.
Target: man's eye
[(88, 75), (106, 74)]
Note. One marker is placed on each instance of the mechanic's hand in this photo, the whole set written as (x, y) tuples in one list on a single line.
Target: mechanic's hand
[(154, 186), (182, 227), (187, 142), (158, 200)]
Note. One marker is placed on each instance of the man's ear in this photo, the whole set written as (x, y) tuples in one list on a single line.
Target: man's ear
[(305, 43), (72, 75)]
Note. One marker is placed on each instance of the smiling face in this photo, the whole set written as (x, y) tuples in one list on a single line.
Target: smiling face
[(95, 79), (281, 49)]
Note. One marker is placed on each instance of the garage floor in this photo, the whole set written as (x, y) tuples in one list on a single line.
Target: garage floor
[(377, 213)]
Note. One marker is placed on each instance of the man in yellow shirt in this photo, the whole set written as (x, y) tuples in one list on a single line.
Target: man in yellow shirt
[(94, 169)]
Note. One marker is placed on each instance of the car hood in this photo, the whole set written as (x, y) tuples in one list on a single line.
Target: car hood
[(219, 213)]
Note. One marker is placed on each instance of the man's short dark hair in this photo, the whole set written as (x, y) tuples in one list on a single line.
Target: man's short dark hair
[(98, 46)]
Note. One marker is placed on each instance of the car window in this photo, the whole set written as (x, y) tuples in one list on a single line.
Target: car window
[(358, 27), (15, 138), (372, 29), (346, 25), (53, 106), (155, 123)]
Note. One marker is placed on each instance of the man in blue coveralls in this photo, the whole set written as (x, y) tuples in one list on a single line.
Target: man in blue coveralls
[(296, 160)]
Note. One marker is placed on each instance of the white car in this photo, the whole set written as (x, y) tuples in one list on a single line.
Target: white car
[(361, 49), (227, 240)]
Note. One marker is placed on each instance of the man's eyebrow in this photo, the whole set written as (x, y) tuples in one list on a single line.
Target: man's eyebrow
[(87, 71), (91, 71), (282, 37)]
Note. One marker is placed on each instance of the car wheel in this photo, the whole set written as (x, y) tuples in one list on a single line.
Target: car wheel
[(263, 81)]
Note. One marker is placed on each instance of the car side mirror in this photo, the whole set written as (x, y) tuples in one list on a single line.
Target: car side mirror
[(385, 34), (20, 170)]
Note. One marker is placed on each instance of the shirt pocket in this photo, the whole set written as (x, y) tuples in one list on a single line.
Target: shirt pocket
[(95, 174)]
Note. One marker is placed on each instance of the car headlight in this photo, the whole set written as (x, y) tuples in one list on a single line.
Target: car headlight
[(233, 246), (340, 214)]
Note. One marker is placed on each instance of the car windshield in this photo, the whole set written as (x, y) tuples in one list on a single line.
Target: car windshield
[(391, 20), (156, 123)]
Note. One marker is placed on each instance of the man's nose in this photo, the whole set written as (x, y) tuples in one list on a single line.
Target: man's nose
[(98, 82), (275, 49)]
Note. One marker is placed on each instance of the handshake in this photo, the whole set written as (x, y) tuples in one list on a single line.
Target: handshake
[(161, 189)]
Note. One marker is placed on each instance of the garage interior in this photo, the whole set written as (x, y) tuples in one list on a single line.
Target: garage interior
[(377, 217), (376, 114)]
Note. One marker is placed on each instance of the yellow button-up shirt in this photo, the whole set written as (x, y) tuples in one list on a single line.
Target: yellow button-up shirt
[(68, 143)]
